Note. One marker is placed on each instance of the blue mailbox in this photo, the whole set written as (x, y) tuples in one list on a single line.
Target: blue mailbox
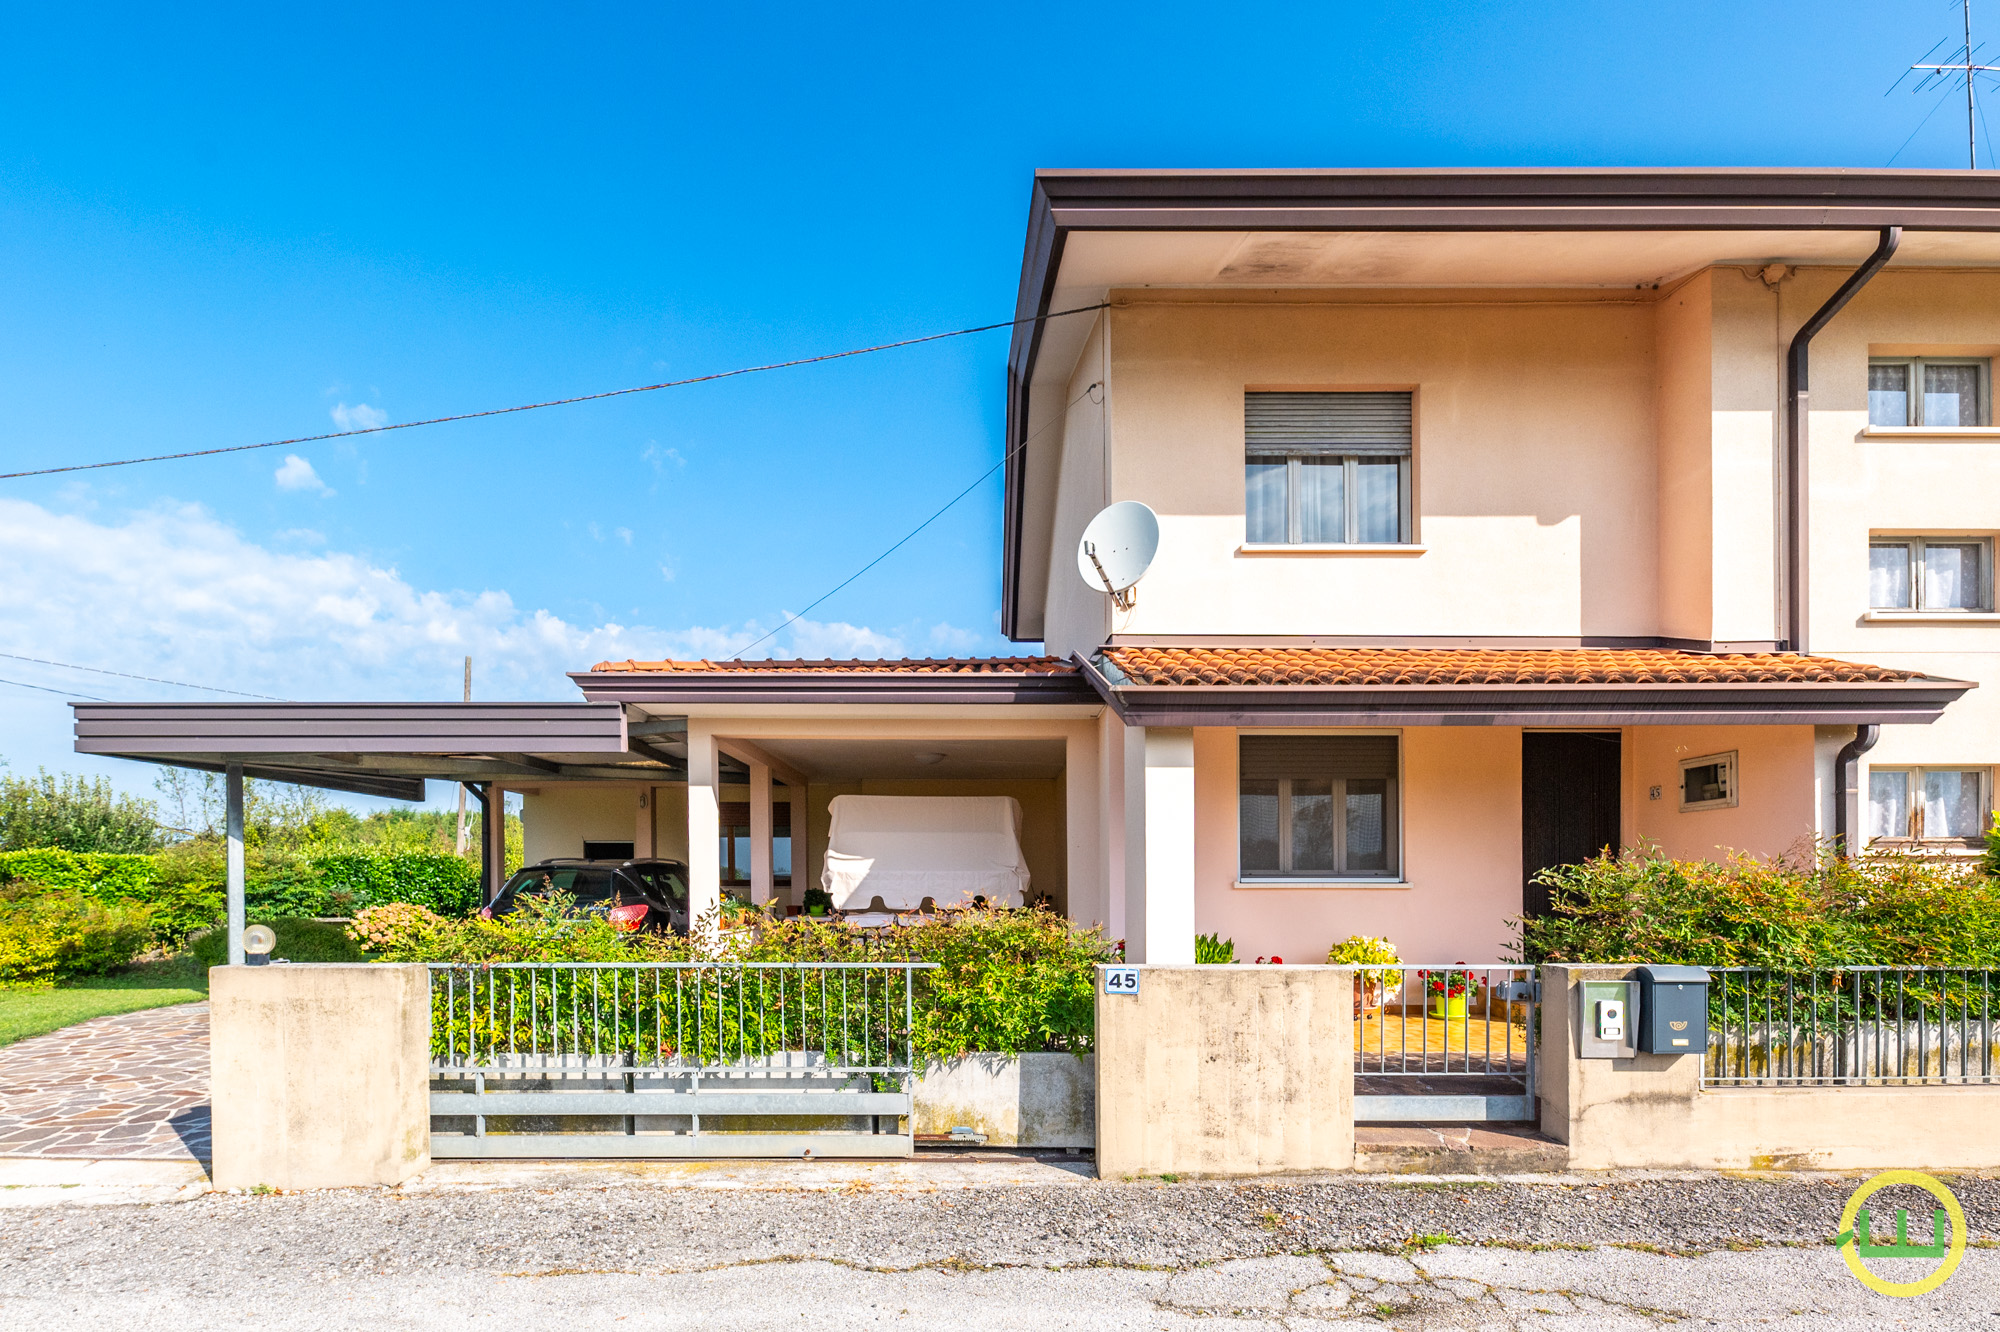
[(1673, 1010)]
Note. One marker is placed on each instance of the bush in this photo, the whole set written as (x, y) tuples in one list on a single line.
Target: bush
[(106, 876), (299, 940), (74, 813), (445, 884), (1792, 914), (1212, 951), (50, 934)]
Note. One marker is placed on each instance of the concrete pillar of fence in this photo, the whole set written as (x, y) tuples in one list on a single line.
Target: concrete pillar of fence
[(1226, 1070), (1613, 1113), (319, 1075)]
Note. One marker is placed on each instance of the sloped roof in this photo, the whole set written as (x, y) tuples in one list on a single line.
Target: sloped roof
[(1334, 667)]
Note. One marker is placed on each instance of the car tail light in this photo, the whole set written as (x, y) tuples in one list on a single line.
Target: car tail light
[(486, 913), (627, 917)]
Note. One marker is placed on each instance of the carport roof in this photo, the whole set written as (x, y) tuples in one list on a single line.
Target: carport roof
[(384, 749)]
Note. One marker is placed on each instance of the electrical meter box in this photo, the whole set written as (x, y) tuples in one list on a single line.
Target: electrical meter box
[(1605, 1019), (1673, 1010)]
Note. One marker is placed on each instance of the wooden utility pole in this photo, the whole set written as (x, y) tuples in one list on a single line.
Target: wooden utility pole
[(462, 830)]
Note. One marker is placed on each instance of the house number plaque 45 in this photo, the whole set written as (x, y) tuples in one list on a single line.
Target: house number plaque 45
[(1121, 980)]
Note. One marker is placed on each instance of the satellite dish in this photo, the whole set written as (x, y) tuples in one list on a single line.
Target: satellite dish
[(1117, 549)]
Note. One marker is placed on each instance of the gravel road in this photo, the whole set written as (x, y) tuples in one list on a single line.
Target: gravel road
[(1741, 1252)]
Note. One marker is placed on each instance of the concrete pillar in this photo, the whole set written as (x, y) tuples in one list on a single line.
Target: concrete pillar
[(805, 870), (1159, 845), (1083, 878), (319, 1075), (760, 831), (644, 834), (493, 841), (232, 789), (704, 858)]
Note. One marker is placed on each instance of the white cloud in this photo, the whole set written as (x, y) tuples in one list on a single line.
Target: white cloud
[(660, 457), (358, 417), (295, 473), (173, 592), (624, 534)]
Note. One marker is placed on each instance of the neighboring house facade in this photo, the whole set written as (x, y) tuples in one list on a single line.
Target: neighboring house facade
[(1487, 541)]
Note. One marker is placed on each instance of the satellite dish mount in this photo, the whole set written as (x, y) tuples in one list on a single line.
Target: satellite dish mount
[(1116, 550)]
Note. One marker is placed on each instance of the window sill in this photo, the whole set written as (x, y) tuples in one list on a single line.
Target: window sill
[(1323, 883), (1931, 432), (1328, 548), (1930, 617)]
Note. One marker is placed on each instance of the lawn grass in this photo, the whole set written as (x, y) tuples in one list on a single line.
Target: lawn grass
[(25, 1013)]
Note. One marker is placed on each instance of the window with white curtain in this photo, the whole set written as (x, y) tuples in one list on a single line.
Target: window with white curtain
[(1936, 391), (1327, 468), (1929, 804), (1930, 573), (1317, 807)]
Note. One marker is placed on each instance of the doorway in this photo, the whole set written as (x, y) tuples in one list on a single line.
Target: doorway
[(1570, 804)]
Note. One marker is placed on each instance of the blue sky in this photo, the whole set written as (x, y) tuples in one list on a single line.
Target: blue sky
[(242, 224)]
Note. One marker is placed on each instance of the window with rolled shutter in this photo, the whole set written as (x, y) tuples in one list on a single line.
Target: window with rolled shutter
[(1327, 468), (1317, 807)]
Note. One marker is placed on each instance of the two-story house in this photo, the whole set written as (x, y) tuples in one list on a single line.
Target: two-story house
[(1504, 516)]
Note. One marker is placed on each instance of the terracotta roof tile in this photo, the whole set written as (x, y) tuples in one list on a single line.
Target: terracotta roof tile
[(903, 666), (1329, 667)]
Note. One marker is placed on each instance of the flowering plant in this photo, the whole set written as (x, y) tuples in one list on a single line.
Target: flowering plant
[(1358, 949), (1450, 984)]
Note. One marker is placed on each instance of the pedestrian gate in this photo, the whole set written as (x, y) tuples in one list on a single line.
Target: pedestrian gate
[(1445, 1043), (672, 1059)]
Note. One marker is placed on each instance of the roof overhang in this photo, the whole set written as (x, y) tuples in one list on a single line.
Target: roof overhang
[(1092, 231), (381, 749), (1817, 704)]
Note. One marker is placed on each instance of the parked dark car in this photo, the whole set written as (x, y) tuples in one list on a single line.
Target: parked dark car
[(632, 894)]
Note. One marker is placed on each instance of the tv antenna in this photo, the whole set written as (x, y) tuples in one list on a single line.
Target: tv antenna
[(1117, 549), (1962, 65)]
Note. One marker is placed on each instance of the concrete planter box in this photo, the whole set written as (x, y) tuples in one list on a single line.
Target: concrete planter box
[(1028, 1100)]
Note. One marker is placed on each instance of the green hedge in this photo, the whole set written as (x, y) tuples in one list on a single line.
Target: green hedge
[(104, 875), (51, 934), (298, 941), (445, 884)]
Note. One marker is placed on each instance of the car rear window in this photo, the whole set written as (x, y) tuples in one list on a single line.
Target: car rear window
[(590, 887)]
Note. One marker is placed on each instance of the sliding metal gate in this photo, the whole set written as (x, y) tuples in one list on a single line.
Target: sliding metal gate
[(1447, 1042), (672, 1059)]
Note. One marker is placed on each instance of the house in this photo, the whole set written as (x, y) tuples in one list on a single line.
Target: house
[(1505, 516)]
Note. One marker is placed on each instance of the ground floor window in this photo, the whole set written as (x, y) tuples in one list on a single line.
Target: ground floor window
[(1318, 807), (735, 848), (1929, 804)]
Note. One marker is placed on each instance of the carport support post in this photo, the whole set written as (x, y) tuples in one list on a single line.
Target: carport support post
[(704, 822), (1159, 845), (232, 786), (492, 839)]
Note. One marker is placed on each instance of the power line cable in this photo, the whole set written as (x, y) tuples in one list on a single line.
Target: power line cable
[(22, 684), (908, 536), (124, 675), (554, 402)]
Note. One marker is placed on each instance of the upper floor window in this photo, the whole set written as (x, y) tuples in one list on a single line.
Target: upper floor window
[(1933, 391), (1317, 807), (1930, 574), (1326, 468)]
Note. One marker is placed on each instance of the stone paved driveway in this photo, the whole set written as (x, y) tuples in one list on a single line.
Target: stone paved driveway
[(133, 1085)]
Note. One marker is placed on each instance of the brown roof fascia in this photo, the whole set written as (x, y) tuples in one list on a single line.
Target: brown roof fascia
[(1459, 199)]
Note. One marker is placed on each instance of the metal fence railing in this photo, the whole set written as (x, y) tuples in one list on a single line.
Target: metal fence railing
[(1444, 1021), (1852, 1027), (672, 1058)]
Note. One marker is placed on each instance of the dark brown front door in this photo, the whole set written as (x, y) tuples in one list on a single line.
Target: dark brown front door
[(1569, 804)]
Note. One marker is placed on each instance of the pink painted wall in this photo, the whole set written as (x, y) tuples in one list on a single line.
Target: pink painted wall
[(1461, 802), (1776, 804)]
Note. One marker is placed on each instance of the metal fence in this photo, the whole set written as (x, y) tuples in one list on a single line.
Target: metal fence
[(672, 1058), (1852, 1027), (1444, 1041)]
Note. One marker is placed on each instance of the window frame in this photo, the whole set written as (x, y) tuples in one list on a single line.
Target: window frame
[(1350, 493), (1733, 781), (1392, 814), (1913, 545), (1915, 365), (1913, 776)]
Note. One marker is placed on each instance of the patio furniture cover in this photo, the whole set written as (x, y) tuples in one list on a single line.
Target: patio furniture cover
[(903, 849)]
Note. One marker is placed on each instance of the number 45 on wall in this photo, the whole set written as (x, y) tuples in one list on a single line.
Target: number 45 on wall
[(1121, 980)]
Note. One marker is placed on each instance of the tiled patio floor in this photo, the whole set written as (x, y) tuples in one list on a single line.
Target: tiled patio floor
[(134, 1085)]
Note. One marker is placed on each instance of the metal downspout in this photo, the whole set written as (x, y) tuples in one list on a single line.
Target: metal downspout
[(1797, 357), (1845, 789)]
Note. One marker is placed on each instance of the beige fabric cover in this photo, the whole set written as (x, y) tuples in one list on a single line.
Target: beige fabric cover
[(903, 849)]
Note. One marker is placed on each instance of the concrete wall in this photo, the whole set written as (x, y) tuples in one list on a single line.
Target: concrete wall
[(1226, 1071), (1650, 1112), (1026, 1100), (1078, 614), (319, 1074)]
